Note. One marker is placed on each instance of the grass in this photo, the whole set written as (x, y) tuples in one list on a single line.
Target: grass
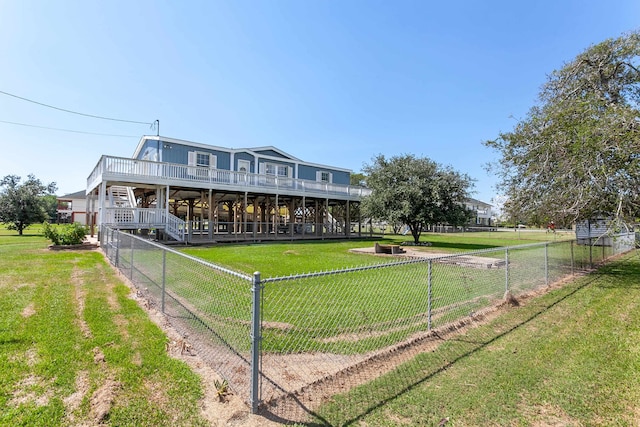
[(69, 334), (326, 313), (285, 258), (570, 357), (68, 331)]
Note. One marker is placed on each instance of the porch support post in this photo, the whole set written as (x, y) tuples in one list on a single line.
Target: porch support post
[(102, 197), (326, 216), (276, 217), (255, 217), (304, 215), (210, 216), (347, 220), (245, 204)]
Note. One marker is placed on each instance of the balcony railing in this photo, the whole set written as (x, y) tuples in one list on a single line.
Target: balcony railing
[(142, 171)]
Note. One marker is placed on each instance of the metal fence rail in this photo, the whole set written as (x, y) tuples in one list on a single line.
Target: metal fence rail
[(287, 344)]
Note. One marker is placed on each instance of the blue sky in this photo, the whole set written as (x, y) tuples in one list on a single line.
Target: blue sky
[(330, 82)]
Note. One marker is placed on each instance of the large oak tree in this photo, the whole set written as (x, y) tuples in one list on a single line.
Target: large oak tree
[(577, 153), (415, 191)]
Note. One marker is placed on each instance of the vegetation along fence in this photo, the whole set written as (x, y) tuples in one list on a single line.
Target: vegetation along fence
[(291, 346)]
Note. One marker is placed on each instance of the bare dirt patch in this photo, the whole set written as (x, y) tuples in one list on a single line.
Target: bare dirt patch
[(73, 401), (80, 296), (29, 310), (102, 400), (32, 389)]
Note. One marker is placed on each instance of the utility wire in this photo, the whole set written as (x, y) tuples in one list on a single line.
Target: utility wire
[(75, 112), (68, 130)]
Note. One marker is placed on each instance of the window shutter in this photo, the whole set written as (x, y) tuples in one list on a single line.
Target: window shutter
[(213, 161), (192, 159), (330, 178), (261, 168), (290, 172), (318, 176)]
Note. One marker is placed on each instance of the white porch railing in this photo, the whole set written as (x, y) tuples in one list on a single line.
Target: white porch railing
[(146, 218), (141, 171), (174, 226)]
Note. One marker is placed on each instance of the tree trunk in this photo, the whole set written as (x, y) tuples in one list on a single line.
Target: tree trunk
[(416, 229)]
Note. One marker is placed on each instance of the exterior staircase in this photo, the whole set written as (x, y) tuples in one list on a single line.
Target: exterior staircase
[(123, 213)]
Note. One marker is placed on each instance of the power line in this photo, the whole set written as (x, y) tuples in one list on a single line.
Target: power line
[(74, 112), (69, 130)]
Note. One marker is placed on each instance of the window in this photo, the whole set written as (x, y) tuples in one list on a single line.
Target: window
[(202, 159), (324, 176), (274, 169)]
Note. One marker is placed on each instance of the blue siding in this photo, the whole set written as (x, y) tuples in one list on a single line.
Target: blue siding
[(309, 172), (178, 153), (149, 151)]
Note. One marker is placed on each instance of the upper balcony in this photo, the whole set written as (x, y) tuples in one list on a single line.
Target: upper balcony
[(133, 172)]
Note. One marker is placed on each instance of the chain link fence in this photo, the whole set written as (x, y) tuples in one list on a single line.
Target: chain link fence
[(292, 347), (208, 305)]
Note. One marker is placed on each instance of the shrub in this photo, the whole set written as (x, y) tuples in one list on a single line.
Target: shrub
[(65, 234)]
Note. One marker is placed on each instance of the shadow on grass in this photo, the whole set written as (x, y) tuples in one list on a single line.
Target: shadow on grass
[(389, 387)]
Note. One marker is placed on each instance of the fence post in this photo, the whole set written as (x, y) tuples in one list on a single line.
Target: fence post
[(131, 272), (591, 253), (572, 260), (113, 232), (429, 296), (164, 275), (546, 264), (506, 270), (256, 287)]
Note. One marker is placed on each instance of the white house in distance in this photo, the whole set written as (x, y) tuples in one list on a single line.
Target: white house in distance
[(482, 212), (72, 208), (185, 190)]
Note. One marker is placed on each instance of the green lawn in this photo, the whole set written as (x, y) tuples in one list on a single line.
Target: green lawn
[(285, 258), (71, 340), (570, 358), (68, 332)]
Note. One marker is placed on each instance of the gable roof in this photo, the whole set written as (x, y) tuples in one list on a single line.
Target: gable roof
[(477, 202), (260, 150), (77, 195)]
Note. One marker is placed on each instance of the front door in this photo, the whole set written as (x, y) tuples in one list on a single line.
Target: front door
[(244, 167)]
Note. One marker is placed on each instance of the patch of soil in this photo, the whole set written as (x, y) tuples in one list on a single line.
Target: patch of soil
[(28, 389), (79, 293), (73, 401), (102, 400), (29, 311)]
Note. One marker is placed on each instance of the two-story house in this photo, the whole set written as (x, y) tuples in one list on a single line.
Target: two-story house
[(187, 191), (482, 212)]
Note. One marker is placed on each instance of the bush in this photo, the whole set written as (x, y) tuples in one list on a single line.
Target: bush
[(65, 234)]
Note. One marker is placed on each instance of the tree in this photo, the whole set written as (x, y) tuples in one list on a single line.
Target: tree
[(415, 191), (577, 153), (23, 204), (358, 179)]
